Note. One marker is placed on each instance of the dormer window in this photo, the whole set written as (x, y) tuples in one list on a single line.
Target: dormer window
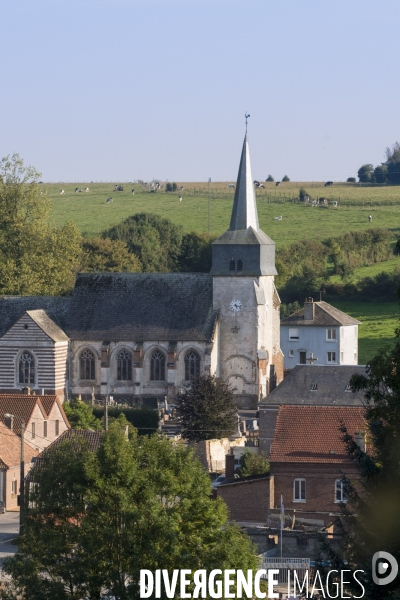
[(348, 388), (240, 265), (232, 265), (314, 387)]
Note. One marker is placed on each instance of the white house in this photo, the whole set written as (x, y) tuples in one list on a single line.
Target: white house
[(321, 334)]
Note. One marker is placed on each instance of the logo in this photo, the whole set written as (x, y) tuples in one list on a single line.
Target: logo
[(384, 568)]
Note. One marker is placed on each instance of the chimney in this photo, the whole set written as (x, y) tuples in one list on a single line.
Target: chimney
[(27, 390), (309, 309), (9, 422)]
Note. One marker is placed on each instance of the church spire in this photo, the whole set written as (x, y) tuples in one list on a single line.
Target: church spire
[(244, 211)]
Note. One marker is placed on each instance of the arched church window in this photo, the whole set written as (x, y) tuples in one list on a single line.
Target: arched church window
[(124, 366), (192, 365), (26, 368), (87, 365), (157, 366), (240, 265), (232, 265)]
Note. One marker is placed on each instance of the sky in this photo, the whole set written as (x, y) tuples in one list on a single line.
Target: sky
[(119, 90)]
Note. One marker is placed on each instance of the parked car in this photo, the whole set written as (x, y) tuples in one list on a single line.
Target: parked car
[(220, 479)]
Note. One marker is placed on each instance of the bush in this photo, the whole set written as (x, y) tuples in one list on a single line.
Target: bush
[(285, 178), (351, 180), (171, 187), (270, 178), (302, 194)]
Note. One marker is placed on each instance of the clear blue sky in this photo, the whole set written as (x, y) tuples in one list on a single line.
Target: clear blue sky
[(136, 89)]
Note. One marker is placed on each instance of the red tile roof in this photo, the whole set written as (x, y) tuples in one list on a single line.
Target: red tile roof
[(10, 448), (311, 433), (23, 405)]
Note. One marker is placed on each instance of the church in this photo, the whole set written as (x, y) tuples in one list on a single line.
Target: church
[(141, 336)]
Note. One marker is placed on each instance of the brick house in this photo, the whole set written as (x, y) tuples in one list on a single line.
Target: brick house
[(248, 499), (308, 460), (10, 472), (308, 385), (44, 417)]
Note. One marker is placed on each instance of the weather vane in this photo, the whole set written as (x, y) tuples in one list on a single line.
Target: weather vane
[(246, 117)]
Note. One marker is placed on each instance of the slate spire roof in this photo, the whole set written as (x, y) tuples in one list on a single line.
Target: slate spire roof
[(244, 212)]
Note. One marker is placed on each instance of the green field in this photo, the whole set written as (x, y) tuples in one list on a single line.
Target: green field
[(92, 214), (379, 322)]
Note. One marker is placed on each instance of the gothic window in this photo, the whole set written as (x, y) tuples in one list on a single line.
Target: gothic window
[(157, 366), (26, 369), (240, 265), (232, 265), (87, 365), (124, 366), (192, 365)]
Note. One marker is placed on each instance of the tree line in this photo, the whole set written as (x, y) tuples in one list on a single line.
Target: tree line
[(386, 172)]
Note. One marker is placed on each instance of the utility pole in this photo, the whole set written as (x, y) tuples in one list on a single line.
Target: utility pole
[(209, 207), (22, 480), (106, 412)]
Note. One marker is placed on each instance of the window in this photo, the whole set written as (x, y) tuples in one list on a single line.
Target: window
[(331, 335), (124, 366), (331, 357), (299, 491), (291, 353), (157, 366), (26, 369), (340, 494), (240, 265), (87, 365), (57, 427), (14, 487), (232, 265), (293, 333), (33, 430), (192, 365), (45, 429)]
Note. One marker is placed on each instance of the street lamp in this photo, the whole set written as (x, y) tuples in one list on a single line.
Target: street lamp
[(22, 470)]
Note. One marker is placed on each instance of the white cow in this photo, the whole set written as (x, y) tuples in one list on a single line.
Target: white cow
[(278, 218), (62, 192), (180, 198), (86, 189)]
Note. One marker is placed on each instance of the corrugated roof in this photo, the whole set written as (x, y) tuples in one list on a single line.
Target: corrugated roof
[(10, 448), (310, 434), (142, 306), (325, 314), (317, 385)]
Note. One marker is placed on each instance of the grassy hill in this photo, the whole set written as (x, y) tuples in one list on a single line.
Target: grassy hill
[(92, 214)]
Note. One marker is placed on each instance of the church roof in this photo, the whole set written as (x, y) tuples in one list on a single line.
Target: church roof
[(244, 211), (142, 306), (47, 325), (324, 314), (247, 236), (13, 307)]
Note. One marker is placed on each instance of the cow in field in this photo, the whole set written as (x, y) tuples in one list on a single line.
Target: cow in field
[(278, 218), (277, 183), (231, 185), (180, 198), (109, 199), (328, 183), (62, 192), (256, 183), (370, 218), (133, 192), (261, 185), (86, 189)]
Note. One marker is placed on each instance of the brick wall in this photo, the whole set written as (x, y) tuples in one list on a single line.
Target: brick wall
[(248, 501), (320, 488)]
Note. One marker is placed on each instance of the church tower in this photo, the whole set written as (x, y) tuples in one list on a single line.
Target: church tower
[(244, 293)]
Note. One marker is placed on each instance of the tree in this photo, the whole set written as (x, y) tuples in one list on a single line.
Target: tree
[(393, 163), (105, 255), (35, 257), (302, 194), (171, 187), (351, 180), (270, 178), (196, 253), (80, 415), (97, 518), (154, 240), (381, 174), (253, 464), (365, 173), (285, 178), (207, 409), (372, 523)]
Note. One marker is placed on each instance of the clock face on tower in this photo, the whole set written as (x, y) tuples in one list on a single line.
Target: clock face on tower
[(236, 305)]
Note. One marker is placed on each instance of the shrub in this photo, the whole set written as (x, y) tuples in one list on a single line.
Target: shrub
[(270, 178), (285, 178), (351, 180), (302, 194)]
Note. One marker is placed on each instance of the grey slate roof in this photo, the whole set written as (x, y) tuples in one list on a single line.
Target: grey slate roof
[(142, 306), (13, 307), (330, 380), (325, 314), (245, 236), (244, 211), (47, 325)]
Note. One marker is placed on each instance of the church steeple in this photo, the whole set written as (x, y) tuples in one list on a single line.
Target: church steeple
[(244, 211)]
